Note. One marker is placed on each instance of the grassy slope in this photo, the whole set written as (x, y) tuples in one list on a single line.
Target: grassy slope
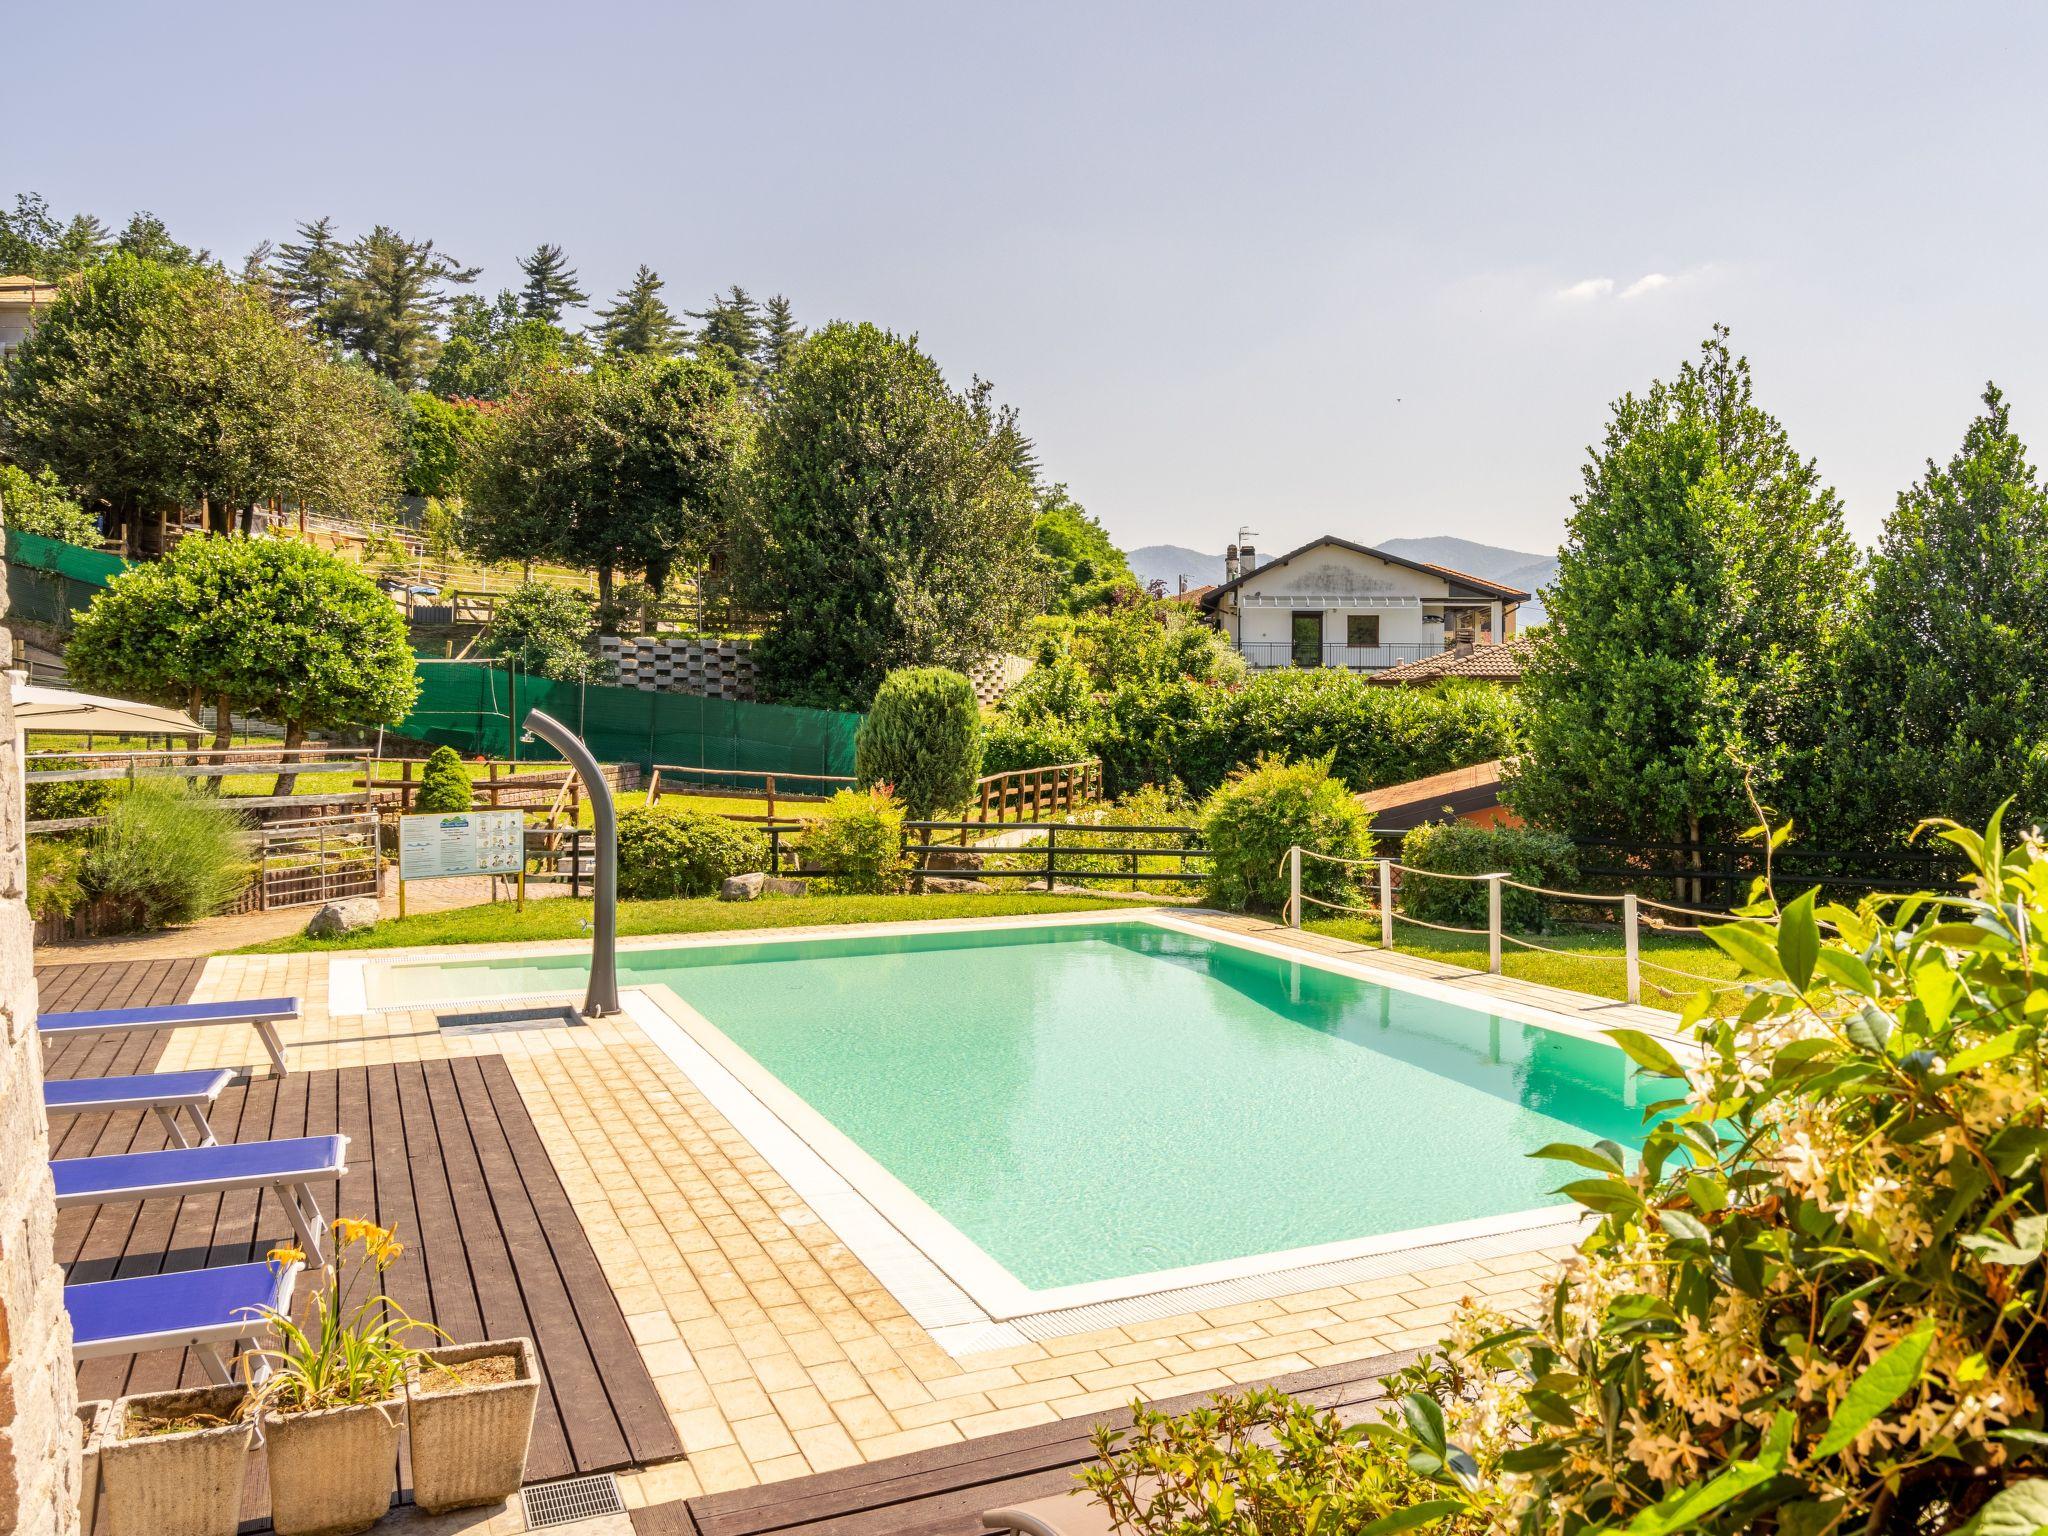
[(1592, 964), (561, 917)]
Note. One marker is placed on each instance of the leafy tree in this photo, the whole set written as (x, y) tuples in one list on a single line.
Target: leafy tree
[(148, 387), (639, 323), (550, 285), (779, 337), (395, 296), (445, 783), (441, 528), (922, 738), (1704, 583), (623, 468), (492, 351), (310, 274), (38, 504), (145, 235), (33, 243), (731, 334), (879, 517), (267, 627), (1087, 569), (1945, 684), (548, 630), (441, 439)]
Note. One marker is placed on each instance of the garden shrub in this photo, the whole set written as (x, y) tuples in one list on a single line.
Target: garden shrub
[(1376, 735), (670, 850), (922, 738), (1008, 742), (1815, 1301), (1459, 848), (62, 802), (551, 631), (1260, 812), (53, 887), (445, 783), (167, 853), (38, 504), (856, 843)]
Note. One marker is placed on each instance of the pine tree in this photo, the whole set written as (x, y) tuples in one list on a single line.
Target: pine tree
[(779, 336), (310, 273), (146, 235), (639, 323), (731, 334), (395, 297), (84, 241), (551, 285)]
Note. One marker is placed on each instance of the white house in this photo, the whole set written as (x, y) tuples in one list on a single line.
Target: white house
[(1333, 603), (22, 302)]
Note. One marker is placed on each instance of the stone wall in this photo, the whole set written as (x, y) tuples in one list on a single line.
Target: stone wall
[(724, 669), (38, 1419)]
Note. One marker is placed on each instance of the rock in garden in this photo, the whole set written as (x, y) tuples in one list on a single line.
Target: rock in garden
[(946, 885), (742, 887), (952, 858), (344, 917)]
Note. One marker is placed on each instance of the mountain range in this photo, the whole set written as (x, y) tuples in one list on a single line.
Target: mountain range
[(1511, 567)]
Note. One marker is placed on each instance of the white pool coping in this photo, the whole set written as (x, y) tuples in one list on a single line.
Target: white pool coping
[(945, 1280)]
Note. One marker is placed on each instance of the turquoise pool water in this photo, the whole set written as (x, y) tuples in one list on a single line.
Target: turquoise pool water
[(1090, 1101)]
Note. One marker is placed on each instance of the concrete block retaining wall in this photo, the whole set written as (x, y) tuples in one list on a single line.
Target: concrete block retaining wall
[(724, 669)]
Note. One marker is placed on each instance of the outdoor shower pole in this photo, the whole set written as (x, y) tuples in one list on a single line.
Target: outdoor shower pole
[(603, 997)]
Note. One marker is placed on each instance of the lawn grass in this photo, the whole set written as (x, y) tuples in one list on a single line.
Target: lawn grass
[(562, 917), (1593, 964)]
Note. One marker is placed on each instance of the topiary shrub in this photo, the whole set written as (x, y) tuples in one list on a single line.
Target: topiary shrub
[(922, 738), (445, 783), (167, 853), (856, 843), (1260, 812), (1460, 848), (668, 851)]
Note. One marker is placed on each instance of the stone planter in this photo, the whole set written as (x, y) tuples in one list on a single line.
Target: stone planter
[(184, 1483), (333, 1469), (469, 1442), (92, 1423)]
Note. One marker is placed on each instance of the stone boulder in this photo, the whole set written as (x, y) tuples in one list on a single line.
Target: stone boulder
[(946, 885), (344, 917), (952, 858), (742, 887)]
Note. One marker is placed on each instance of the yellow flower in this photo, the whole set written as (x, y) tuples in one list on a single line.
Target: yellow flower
[(287, 1254)]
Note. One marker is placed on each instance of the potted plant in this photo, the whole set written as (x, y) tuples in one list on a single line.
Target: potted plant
[(169, 1463), (334, 1400), (469, 1409)]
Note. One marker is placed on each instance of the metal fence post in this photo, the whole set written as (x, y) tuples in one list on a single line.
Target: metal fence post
[(1630, 938), (1052, 842), (1493, 924), (1294, 886), (1386, 903)]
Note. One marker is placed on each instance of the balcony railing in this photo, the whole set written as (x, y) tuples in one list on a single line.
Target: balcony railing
[(1355, 658)]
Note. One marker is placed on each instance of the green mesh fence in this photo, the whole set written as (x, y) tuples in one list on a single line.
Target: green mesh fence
[(480, 707), (49, 580)]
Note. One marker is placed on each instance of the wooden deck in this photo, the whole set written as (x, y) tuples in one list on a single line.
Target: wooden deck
[(942, 1492), (444, 1151)]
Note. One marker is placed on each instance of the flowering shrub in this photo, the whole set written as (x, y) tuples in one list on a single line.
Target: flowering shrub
[(1815, 1303)]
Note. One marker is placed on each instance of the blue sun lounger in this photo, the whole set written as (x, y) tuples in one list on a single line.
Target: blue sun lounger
[(263, 1013), (195, 1309), (287, 1168), (162, 1093)]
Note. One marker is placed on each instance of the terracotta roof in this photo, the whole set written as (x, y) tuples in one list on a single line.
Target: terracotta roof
[(1501, 663), (1192, 595), (1477, 583)]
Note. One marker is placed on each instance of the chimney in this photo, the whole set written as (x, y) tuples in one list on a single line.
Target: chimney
[(1232, 567), (1248, 558)]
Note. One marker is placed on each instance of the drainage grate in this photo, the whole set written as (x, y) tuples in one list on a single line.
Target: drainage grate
[(536, 1016), (579, 1498)]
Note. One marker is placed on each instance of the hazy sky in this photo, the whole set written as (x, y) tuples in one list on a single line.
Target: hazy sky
[(1363, 269)]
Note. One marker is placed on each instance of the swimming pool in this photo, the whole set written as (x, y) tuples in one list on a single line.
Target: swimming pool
[(1128, 1099)]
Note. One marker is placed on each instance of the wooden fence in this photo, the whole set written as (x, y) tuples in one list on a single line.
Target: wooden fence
[(1032, 794), (809, 788)]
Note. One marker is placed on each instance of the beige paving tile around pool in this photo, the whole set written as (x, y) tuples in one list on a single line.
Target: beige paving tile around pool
[(774, 1349)]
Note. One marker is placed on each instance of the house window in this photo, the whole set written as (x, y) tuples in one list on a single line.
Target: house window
[(1362, 629)]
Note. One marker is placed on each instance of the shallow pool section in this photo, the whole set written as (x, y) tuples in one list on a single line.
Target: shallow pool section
[(1092, 1100)]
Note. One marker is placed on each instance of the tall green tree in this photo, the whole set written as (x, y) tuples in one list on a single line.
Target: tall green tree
[(441, 440), (881, 521), (1944, 698), (33, 243), (1087, 568), (396, 295), (146, 235), (624, 468), (310, 272), (149, 387), (1705, 582), (551, 285), (779, 337), (639, 324), (730, 334), (494, 350)]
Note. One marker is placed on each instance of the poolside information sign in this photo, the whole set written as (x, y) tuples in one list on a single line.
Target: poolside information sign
[(464, 843)]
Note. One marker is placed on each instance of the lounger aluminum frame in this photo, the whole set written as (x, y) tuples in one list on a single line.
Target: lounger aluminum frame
[(195, 1309), (288, 1168), (162, 1093), (261, 1013)]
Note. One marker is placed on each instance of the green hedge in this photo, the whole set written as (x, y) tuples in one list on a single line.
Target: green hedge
[(1461, 848)]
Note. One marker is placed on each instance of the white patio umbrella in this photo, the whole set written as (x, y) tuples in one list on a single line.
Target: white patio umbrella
[(37, 708)]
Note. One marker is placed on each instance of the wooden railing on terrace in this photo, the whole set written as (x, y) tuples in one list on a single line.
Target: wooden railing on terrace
[(1035, 793)]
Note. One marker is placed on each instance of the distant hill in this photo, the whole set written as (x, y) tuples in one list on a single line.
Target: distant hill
[(1512, 567)]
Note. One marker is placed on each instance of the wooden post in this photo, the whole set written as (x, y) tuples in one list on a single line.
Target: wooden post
[(1294, 886), (1631, 947), (771, 796), (1386, 903), (1052, 843), (1493, 923)]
